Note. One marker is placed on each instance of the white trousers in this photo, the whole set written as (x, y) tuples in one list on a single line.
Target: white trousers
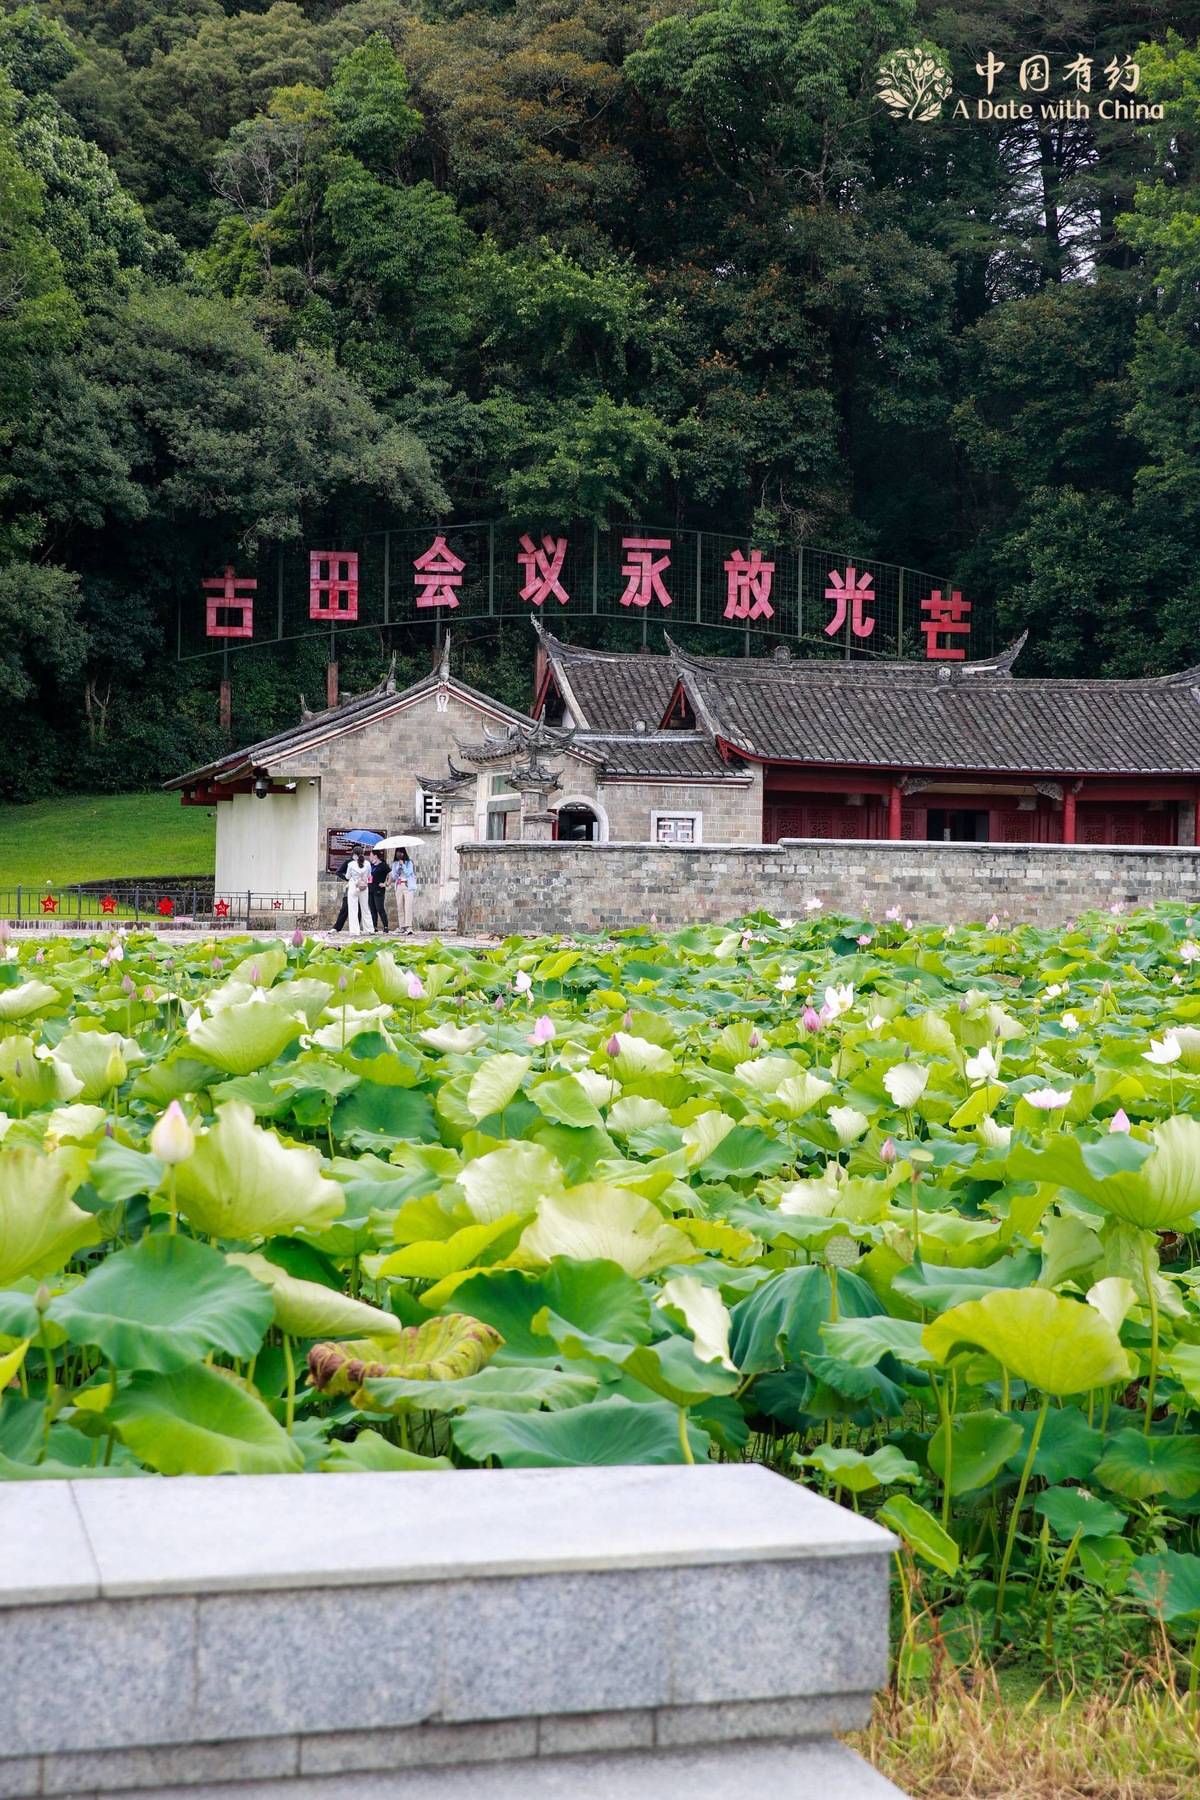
[(404, 900), (358, 911)]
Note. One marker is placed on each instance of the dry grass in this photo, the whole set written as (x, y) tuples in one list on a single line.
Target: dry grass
[(968, 1739)]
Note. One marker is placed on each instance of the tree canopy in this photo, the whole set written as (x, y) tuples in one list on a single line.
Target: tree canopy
[(275, 271)]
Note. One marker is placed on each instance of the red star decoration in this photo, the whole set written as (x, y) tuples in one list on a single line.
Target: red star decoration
[(221, 909), (277, 905), (49, 903), (166, 907), (108, 904)]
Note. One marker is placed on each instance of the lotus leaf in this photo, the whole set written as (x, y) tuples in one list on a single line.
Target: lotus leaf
[(240, 1182), (239, 1039), (40, 1226), (1054, 1344), (607, 1431), (443, 1349), (310, 1309), (199, 1421), (606, 1223)]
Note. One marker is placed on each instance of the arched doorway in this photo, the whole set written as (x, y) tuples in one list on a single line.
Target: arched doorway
[(579, 821)]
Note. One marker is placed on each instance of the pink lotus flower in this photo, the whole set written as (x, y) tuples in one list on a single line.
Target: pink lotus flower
[(864, 939), (217, 963), (888, 1152), (893, 913), (498, 1003), (613, 1046), (812, 1019), (1119, 1120), (543, 1030), (416, 988), (993, 922)]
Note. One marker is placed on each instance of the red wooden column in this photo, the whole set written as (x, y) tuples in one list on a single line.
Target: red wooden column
[(894, 824), (1069, 813)]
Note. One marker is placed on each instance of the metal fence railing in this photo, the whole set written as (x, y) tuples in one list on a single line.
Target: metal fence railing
[(90, 906)]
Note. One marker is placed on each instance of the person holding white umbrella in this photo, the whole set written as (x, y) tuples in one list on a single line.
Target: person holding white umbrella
[(404, 880)]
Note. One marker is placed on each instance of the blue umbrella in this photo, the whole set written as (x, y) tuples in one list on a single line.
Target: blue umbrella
[(363, 837)]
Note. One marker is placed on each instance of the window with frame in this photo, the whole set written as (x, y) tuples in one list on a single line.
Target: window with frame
[(497, 825), (676, 827), (429, 809)]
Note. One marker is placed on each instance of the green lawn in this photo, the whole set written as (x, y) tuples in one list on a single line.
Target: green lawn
[(101, 837)]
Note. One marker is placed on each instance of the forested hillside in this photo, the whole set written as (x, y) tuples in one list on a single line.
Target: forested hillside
[(273, 273)]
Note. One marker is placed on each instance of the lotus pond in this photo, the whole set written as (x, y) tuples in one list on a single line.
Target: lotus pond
[(908, 1213)]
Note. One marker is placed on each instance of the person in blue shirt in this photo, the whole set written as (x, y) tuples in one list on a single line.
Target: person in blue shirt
[(404, 880)]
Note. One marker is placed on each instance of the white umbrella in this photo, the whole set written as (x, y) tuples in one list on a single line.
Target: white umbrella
[(399, 843)]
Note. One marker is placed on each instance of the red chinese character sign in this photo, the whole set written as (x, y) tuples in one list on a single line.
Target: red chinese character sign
[(945, 616), (333, 585), (748, 586), (437, 574), (542, 569), (851, 594), (229, 608), (643, 570)]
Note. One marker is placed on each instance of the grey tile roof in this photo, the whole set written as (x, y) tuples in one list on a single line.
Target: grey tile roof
[(945, 718), (613, 689), (665, 754)]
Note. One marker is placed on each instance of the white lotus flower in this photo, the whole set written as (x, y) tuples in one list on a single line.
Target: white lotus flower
[(878, 1022), (1189, 951), (522, 982), (786, 984), (905, 1082), (849, 1124), (812, 904), (1069, 1022), (839, 999), (1050, 1099), (983, 1067), (1054, 990), (1164, 1051)]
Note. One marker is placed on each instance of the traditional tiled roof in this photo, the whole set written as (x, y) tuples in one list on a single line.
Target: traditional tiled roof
[(315, 729), (660, 755), (946, 717), (610, 690)]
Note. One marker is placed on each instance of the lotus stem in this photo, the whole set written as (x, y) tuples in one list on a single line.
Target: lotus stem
[(684, 1445), (1152, 1297), (290, 1366), (171, 1200), (1057, 1589), (1194, 1675), (1014, 1518)]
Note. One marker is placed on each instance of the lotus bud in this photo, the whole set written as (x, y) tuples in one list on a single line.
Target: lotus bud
[(5, 931), (994, 922), (297, 939), (613, 1046), (811, 1020), (498, 1003), (43, 1297), (826, 1015), (172, 1139), (1119, 1120), (962, 1003), (116, 952), (148, 993), (416, 987), (40, 957), (1106, 989), (627, 1021), (343, 984), (115, 1069), (543, 1030), (255, 976), (755, 1040), (887, 1152), (127, 986), (108, 1130)]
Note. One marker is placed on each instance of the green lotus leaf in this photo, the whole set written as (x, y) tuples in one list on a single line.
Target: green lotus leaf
[(595, 1436), (1137, 1467), (921, 1532), (1165, 1190), (500, 1388), (600, 1222), (163, 1304), (1056, 1345), (745, 1152), (935, 1288), (597, 1298), (512, 1179), (24, 1001), (201, 1421), (979, 1445), (1068, 1449), (857, 1473), (1074, 1512), (239, 1039), (700, 1307), (371, 1453), (34, 1077), (376, 1115), (863, 1342), (637, 1056), (457, 1039), (432, 1259), (40, 1226), (1167, 1584), (444, 1349), (781, 1320), (119, 1172), (240, 1182), (495, 1083), (309, 1309), (96, 1057), (565, 1101)]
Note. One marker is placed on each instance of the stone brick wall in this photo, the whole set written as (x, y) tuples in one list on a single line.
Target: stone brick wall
[(732, 810), (597, 887)]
